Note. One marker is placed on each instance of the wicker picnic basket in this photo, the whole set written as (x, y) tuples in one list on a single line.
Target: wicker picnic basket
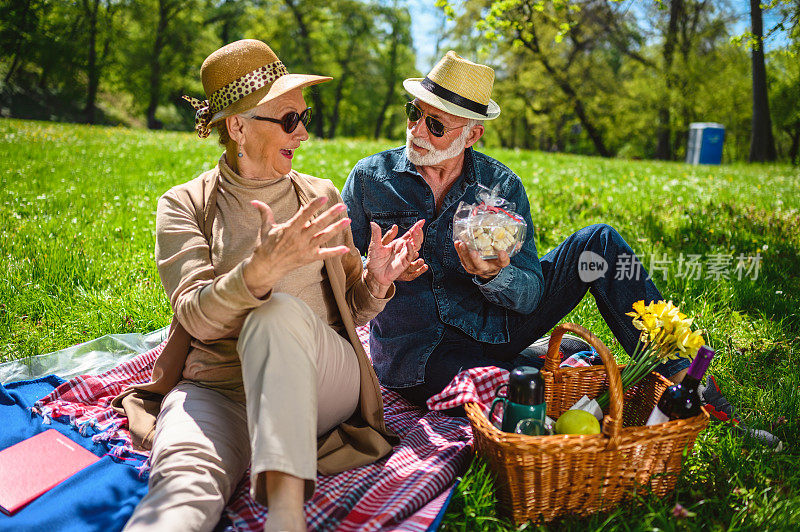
[(541, 478)]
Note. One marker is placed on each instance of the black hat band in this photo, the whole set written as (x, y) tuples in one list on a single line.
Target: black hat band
[(454, 98)]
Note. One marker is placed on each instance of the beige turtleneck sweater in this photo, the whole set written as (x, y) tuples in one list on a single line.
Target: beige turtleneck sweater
[(214, 312)]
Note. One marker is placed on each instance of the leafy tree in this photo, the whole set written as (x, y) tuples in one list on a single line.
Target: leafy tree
[(784, 97), (44, 55), (350, 41), (307, 14), (762, 143), (350, 31), (167, 11), (637, 73), (98, 16), (395, 54), (19, 23)]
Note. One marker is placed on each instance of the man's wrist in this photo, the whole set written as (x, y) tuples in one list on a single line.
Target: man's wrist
[(487, 278)]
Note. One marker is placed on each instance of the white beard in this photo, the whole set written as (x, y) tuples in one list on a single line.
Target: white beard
[(434, 156)]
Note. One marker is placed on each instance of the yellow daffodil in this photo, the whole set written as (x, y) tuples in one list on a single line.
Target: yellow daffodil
[(661, 308), (666, 334), (638, 309)]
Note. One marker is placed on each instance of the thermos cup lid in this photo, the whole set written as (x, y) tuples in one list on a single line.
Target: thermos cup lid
[(525, 386)]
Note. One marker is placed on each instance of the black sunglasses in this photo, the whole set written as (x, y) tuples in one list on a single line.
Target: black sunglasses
[(290, 120), (436, 128)]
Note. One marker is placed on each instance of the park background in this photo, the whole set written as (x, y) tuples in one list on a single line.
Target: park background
[(610, 85), (595, 77)]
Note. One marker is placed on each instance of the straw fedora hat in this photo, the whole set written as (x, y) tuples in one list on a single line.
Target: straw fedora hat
[(240, 76), (457, 86)]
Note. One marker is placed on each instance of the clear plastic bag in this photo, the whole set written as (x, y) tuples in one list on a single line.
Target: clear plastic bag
[(490, 226)]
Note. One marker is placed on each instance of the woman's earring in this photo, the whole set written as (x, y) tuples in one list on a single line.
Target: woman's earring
[(240, 152)]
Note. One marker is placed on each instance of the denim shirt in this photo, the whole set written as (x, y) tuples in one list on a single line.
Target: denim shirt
[(387, 189)]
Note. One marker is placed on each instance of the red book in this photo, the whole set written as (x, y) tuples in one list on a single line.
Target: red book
[(33, 466)]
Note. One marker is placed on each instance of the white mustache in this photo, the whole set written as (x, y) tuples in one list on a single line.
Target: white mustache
[(434, 155), (422, 143)]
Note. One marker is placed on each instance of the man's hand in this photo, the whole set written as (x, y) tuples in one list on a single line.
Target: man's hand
[(417, 266), (387, 259), (474, 264)]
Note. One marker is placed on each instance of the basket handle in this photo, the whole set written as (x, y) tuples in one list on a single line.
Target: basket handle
[(612, 423)]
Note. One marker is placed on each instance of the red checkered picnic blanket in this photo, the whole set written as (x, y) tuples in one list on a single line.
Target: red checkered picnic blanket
[(404, 491)]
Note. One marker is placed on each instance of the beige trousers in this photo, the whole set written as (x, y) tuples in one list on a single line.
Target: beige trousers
[(301, 379)]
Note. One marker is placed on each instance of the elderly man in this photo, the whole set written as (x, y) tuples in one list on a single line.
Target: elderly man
[(454, 310)]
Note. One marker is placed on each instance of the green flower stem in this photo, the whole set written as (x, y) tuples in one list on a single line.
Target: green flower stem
[(644, 363)]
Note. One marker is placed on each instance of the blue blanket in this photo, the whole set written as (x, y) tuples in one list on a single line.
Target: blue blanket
[(101, 497)]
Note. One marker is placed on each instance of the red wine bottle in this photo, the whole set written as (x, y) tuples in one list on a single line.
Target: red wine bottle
[(682, 400)]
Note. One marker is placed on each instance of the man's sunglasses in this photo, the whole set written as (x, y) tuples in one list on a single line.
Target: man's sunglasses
[(290, 120), (436, 128)]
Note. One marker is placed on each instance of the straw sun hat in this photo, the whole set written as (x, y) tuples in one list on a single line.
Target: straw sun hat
[(457, 86), (240, 76)]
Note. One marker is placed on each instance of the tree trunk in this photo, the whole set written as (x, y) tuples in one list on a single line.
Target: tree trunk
[(225, 32), (344, 76), (305, 41), (29, 22), (591, 130), (345, 63), (13, 68), (762, 143), (567, 88), (527, 139), (155, 65), (795, 147), (391, 78), (664, 130), (91, 67), (44, 76)]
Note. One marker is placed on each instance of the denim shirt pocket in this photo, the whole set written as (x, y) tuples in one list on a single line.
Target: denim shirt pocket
[(403, 219), (450, 258)]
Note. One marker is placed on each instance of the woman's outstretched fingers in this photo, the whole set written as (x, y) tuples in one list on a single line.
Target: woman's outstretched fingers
[(324, 235), (324, 253), (326, 218), (306, 213), (267, 218)]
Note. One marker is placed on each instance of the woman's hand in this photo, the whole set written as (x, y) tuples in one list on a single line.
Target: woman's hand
[(297, 242), (474, 264), (389, 258)]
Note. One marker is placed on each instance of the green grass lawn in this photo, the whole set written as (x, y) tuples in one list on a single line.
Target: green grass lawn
[(77, 220)]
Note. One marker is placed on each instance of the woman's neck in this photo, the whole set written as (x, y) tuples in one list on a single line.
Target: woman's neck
[(232, 158), (245, 170)]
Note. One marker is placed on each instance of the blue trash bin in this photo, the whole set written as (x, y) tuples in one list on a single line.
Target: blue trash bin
[(705, 143)]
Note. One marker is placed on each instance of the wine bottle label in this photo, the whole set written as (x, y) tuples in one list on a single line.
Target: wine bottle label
[(656, 417)]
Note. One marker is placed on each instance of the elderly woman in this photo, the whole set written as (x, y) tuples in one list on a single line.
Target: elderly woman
[(263, 367)]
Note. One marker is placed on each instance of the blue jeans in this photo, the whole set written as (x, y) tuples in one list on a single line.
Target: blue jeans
[(563, 290)]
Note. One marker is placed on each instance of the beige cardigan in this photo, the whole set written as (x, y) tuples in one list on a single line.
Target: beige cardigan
[(362, 439)]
